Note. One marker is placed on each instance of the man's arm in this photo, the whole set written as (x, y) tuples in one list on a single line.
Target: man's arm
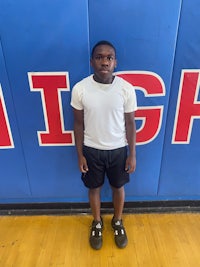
[(131, 139), (79, 138)]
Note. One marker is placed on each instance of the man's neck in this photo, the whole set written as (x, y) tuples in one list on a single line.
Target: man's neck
[(107, 80)]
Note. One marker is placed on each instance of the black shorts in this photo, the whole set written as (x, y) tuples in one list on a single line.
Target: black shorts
[(101, 163)]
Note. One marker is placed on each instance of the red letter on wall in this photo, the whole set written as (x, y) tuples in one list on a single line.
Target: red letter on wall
[(151, 116), (50, 86), (188, 108), (6, 140)]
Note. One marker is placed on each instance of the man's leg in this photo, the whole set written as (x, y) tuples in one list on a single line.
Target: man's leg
[(96, 239), (118, 202), (117, 224), (95, 203)]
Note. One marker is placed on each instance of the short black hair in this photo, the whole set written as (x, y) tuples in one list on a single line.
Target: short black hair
[(103, 42)]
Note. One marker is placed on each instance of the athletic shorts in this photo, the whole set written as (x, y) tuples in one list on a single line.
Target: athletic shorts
[(102, 163)]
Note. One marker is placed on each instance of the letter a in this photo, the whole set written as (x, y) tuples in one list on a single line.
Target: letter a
[(6, 140)]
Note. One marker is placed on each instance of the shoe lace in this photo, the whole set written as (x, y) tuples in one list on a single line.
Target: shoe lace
[(120, 231), (97, 230), (118, 228)]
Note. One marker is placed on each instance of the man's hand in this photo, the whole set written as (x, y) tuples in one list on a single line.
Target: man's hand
[(130, 164), (83, 164)]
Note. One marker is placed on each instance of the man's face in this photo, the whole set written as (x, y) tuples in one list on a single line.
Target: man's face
[(103, 63)]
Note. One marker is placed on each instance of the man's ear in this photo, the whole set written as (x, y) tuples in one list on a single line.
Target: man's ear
[(91, 64)]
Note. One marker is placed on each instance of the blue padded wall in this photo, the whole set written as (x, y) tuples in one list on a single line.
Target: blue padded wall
[(41, 36), (145, 36), (180, 170), (45, 49)]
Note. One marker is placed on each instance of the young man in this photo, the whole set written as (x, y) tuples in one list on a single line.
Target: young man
[(104, 129)]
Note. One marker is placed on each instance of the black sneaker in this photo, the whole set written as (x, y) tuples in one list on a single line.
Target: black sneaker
[(120, 233), (96, 239)]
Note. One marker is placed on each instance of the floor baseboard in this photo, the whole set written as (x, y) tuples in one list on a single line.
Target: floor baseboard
[(107, 207)]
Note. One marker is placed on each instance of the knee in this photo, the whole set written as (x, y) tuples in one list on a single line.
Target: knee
[(94, 191), (119, 190)]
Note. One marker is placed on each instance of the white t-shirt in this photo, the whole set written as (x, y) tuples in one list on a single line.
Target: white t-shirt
[(104, 106)]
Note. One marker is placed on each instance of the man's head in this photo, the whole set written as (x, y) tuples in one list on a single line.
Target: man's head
[(103, 42), (103, 60)]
